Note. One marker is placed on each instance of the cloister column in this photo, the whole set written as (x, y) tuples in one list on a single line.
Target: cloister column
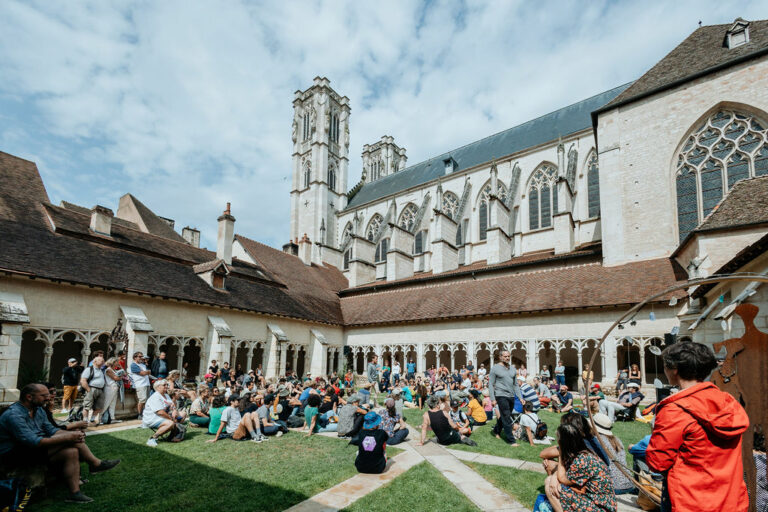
[(275, 336), (13, 316), (180, 355), (532, 357), (249, 361), (48, 353), (137, 327), (580, 363), (611, 360), (316, 354), (295, 358), (641, 347), (420, 359), (453, 353), (283, 354), (471, 354)]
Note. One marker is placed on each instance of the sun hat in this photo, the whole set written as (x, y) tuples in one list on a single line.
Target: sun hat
[(282, 391), (371, 420), (633, 385), (603, 423)]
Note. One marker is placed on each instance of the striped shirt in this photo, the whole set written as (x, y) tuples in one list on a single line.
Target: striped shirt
[(529, 395)]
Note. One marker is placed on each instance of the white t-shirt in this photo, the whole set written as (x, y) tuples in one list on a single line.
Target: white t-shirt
[(231, 417), (396, 369), (138, 380), (481, 372), (529, 419), (156, 402)]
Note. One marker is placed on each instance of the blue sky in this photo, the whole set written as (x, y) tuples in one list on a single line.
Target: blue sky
[(188, 105)]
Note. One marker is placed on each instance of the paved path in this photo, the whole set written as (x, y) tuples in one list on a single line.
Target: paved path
[(494, 460)]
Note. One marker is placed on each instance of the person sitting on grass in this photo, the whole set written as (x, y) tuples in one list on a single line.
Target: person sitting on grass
[(351, 417), (564, 399), (239, 427), (27, 438), (218, 404), (477, 416), (542, 391), (580, 482), (269, 426), (529, 394), (393, 424), (525, 430), (626, 400), (159, 412), (313, 421), (460, 418), (198, 411), (550, 455), (615, 449), (372, 446), (445, 429)]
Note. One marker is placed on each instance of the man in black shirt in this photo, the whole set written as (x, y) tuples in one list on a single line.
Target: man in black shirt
[(70, 378), (225, 374), (214, 370)]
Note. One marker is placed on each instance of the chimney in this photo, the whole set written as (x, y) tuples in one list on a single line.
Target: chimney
[(225, 237), (192, 236), (305, 250), (291, 248), (101, 220)]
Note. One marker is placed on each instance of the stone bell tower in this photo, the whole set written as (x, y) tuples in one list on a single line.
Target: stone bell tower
[(320, 135)]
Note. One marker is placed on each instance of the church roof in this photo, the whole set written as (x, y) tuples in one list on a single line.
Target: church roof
[(746, 204), (546, 128), (704, 51), (590, 285)]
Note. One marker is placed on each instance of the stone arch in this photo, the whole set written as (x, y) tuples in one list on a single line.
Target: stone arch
[(430, 356), (258, 356), (192, 349), (407, 217), (483, 355), (32, 357), (171, 346), (444, 355), (586, 354), (242, 348), (627, 353), (301, 362), (99, 342), (569, 354), (547, 351), (519, 353), (460, 356), (66, 344), (373, 226)]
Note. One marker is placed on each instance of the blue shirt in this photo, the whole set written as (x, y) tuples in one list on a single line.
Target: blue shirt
[(529, 395), (304, 395), (638, 450), (411, 367), (407, 394), (564, 398), (16, 427)]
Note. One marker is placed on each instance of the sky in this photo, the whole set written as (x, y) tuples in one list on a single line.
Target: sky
[(188, 104)]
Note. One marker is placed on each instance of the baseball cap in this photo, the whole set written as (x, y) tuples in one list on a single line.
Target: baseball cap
[(72, 360), (454, 403)]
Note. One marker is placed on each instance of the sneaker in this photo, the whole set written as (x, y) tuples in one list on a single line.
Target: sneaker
[(256, 439), (467, 441), (117, 421), (152, 442), (106, 465), (78, 497), (279, 433), (264, 438)]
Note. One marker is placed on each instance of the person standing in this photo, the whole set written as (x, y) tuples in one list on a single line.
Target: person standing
[(395, 373), (410, 369), (373, 375), (160, 367), (139, 375), (93, 382), (70, 378), (504, 389), (560, 373), (696, 437), (112, 390)]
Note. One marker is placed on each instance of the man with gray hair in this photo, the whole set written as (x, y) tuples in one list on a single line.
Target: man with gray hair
[(351, 417), (503, 390), (158, 413)]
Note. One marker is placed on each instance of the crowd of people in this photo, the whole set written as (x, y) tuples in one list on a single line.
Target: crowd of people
[(697, 429)]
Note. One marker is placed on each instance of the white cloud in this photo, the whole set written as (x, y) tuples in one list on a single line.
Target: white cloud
[(188, 104)]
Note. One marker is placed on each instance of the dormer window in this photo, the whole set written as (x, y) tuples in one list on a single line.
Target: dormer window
[(213, 272), (450, 165), (738, 34)]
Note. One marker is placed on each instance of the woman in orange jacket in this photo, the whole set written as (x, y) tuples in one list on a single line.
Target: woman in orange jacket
[(696, 437)]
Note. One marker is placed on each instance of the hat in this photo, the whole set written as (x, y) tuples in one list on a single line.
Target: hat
[(371, 420), (269, 398), (596, 386), (397, 391), (603, 423), (633, 385), (282, 391), (454, 403), (389, 402), (72, 360)]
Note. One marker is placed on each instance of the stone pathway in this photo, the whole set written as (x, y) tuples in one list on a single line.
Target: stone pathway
[(103, 429), (494, 460)]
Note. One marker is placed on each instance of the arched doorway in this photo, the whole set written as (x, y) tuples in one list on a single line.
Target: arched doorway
[(32, 359), (569, 354), (301, 361), (519, 355), (192, 358), (66, 346), (258, 357), (101, 343), (483, 357), (586, 356), (430, 357), (547, 357), (627, 354), (241, 356), (170, 346)]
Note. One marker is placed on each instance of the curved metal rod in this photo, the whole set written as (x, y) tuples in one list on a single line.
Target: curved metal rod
[(714, 279)]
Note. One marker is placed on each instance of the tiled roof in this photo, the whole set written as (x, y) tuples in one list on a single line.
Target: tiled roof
[(745, 204), (154, 223), (702, 52), (590, 285), (87, 211), (742, 258), (547, 128)]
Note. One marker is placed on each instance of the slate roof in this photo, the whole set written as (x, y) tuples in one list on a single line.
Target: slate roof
[(154, 224), (546, 128), (701, 53), (590, 285)]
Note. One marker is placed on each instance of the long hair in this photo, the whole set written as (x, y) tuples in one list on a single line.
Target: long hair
[(579, 422), (614, 442), (571, 443)]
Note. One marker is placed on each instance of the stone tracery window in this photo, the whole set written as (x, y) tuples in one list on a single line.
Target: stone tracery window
[(307, 174), (408, 217), (542, 197), (593, 186), (727, 147), (450, 205), (373, 227), (346, 234), (482, 208), (332, 177)]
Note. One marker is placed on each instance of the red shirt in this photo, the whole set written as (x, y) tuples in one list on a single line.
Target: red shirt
[(697, 439)]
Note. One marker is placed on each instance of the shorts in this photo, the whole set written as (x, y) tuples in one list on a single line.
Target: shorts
[(142, 394), (154, 424), (241, 433), (453, 438), (94, 400), (70, 393)]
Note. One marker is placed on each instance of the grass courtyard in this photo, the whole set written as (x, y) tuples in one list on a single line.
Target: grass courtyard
[(272, 476)]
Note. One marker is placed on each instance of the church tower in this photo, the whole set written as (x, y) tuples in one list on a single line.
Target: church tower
[(320, 136)]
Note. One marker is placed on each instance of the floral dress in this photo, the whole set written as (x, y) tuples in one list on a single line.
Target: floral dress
[(589, 474)]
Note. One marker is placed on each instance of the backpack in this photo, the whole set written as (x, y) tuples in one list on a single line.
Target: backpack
[(180, 432), (75, 414), (295, 422), (541, 429), (90, 377), (14, 495)]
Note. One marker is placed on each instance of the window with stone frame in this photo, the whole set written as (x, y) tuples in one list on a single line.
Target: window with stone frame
[(334, 128), (347, 258), (542, 197), (482, 207), (462, 232), (420, 242), (450, 204), (726, 147), (306, 127), (307, 174), (408, 217), (373, 227), (381, 251), (332, 177), (593, 186), (346, 234)]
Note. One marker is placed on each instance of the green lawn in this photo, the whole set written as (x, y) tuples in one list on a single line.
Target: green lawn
[(520, 484), (422, 486), (196, 476)]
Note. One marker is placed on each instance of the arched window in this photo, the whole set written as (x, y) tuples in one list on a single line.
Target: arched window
[(542, 197), (346, 234), (381, 250), (482, 208), (408, 217), (307, 174), (450, 205), (332, 177), (306, 126), (373, 227), (334, 128), (419, 242), (727, 147), (593, 186), (347, 258)]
